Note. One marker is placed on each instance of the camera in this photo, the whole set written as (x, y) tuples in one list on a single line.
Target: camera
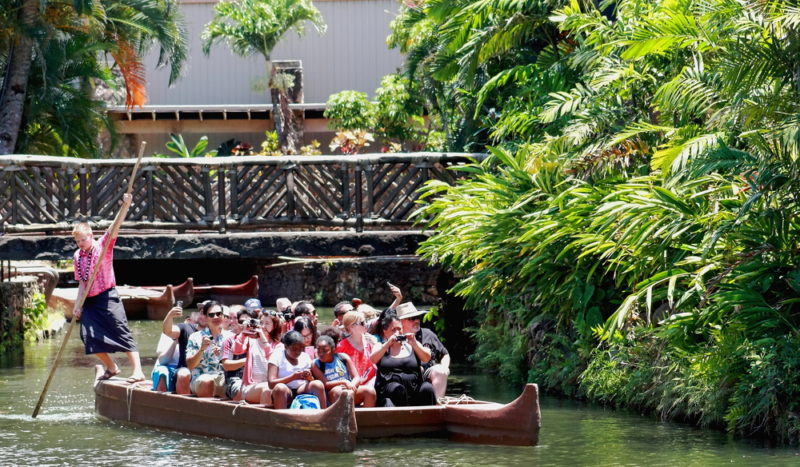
[(288, 316), (253, 323), (400, 338)]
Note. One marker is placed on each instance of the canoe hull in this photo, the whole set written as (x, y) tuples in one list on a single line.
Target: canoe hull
[(514, 424), (183, 291), (335, 429), (138, 303), (228, 294), (330, 430)]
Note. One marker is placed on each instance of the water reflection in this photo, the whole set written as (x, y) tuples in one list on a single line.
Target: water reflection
[(67, 432)]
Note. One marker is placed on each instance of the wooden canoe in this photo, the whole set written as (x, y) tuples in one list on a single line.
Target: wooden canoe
[(139, 303), (515, 424), (228, 294), (332, 430), (335, 429), (183, 291)]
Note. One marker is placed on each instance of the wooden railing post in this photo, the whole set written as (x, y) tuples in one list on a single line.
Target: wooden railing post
[(222, 214), (344, 174), (13, 218), (233, 183), (69, 191), (291, 208), (208, 195), (151, 199), (359, 198), (370, 190), (95, 205), (84, 190)]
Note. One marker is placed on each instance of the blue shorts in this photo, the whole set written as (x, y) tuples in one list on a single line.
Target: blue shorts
[(170, 372)]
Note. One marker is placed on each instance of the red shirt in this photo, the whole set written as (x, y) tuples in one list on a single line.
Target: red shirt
[(364, 366), (84, 263)]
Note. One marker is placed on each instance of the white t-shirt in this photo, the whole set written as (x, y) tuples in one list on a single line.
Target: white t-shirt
[(278, 358), (163, 345)]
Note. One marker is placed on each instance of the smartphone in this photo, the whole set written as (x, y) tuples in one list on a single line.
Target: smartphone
[(401, 338)]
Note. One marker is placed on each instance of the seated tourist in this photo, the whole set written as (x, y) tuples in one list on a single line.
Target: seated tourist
[(203, 354), (289, 373), (337, 373), (305, 309), (332, 332), (234, 356), (305, 326), (284, 308), (171, 350), (398, 359), (271, 324), (358, 346), (174, 339), (229, 316), (371, 314), (438, 368), (255, 343), (338, 312)]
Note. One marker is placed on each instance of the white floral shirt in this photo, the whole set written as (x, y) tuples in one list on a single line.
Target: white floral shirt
[(210, 361)]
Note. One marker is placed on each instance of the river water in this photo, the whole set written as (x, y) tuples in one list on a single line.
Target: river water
[(66, 432)]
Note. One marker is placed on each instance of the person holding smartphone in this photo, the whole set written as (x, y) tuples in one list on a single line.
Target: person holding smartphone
[(399, 381), (204, 354), (171, 349)]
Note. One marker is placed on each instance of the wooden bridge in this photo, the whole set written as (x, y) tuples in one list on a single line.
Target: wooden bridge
[(47, 194)]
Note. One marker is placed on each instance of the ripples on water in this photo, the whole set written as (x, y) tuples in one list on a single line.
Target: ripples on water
[(66, 432)]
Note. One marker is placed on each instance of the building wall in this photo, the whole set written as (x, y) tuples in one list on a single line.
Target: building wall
[(352, 54)]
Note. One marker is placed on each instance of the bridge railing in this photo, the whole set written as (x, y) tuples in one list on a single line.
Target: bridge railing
[(44, 193)]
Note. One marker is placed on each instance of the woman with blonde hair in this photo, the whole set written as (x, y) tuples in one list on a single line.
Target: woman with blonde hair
[(358, 345)]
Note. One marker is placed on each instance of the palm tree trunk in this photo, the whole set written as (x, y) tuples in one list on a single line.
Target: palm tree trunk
[(287, 138), (276, 115), (15, 86)]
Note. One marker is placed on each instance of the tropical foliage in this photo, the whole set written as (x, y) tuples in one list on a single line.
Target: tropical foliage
[(53, 53), (254, 27), (633, 236), (399, 118)]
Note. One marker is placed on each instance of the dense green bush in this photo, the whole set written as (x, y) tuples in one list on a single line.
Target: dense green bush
[(350, 110), (634, 236)]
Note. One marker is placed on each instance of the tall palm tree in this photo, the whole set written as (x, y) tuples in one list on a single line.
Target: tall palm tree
[(255, 27), (15, 83), (124, 29)]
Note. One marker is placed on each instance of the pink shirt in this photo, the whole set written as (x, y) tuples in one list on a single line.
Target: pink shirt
[(257, 356), (84, 263)]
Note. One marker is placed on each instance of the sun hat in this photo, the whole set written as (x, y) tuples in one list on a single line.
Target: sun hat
[(408, 310), (253, 304)]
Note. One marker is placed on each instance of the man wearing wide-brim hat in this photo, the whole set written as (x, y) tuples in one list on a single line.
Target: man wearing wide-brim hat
[(438, 368)]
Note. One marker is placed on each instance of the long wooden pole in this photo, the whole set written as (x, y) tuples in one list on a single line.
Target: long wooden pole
[(82, 297)]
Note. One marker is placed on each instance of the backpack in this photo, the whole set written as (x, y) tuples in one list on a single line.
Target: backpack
[(305, 401)]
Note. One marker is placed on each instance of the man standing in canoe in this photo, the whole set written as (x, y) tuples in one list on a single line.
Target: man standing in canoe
[(104, 327)]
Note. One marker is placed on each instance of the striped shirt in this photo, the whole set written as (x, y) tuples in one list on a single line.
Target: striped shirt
[(84, 262)]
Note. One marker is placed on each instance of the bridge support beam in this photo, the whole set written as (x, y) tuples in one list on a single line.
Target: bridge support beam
[(207, 245)]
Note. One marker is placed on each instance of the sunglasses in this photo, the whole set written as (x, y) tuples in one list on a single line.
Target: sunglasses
[(214, 314)]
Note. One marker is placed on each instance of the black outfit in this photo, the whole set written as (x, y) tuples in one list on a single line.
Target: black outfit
[(428, 338), (104, 326), (186, 330), (400, 382)]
